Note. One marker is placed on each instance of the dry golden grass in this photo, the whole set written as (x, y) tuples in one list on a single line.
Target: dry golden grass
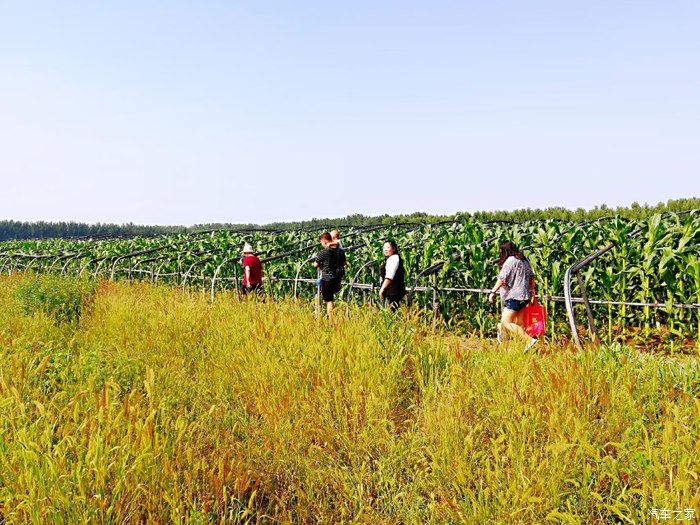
[(158, 407)]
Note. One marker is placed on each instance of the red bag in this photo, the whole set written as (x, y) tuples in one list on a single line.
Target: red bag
[(534, 319)]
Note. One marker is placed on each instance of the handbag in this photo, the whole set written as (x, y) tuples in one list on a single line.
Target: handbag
[(535, 319)]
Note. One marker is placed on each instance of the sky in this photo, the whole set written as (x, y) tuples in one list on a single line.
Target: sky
[(183, 113)]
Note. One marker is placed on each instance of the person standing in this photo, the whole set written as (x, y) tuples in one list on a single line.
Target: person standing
[(331, 261), (393, 287), (516, 284), (252, 271)]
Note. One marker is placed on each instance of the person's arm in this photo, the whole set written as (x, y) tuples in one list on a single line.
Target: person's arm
[(532, 289), (492, 294), (246, 269), (384, 286)]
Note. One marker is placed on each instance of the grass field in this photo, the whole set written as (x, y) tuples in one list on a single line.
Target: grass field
[(147, 405)]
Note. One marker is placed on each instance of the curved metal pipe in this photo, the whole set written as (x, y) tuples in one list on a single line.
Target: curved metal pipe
[(15, 263), (134, 254), (296, 277), (5, 259), (425, 273), (575, 269), (357, 275), (187, 273), (570, 307), (99, 264), (351, 286), (114, 265), (235, 275), (70, 259), (160, 267), (57, 259), (85, 266), (32, 260)]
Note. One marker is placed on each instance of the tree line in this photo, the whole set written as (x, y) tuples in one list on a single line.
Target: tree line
[(43, 230), (75, 230)]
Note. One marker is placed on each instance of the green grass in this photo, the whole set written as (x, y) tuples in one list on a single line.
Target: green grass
[(158, 407), (63, 298)]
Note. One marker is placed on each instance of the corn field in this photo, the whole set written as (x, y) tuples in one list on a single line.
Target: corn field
[(645, 289)]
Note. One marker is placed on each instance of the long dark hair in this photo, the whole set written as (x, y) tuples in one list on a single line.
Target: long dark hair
[(509, 248)]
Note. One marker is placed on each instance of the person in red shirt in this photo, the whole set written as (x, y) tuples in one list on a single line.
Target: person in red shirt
[(252, 271)]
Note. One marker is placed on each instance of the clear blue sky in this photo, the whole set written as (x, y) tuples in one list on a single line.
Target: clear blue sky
[(180, 112)]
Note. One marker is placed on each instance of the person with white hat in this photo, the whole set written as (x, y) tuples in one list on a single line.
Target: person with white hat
[(252, 271)]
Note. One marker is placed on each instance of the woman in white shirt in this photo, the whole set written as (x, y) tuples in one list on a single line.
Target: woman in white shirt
[(393, 287)]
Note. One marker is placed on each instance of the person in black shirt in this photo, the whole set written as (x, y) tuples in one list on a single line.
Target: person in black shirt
[(331, 261)]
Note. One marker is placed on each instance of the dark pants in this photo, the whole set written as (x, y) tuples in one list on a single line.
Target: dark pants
[(392, 302), (256, 289), (329, 289)]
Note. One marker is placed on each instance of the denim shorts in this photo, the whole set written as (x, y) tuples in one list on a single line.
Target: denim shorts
[(515, 305)]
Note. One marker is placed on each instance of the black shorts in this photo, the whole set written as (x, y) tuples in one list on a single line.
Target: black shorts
[(329, 289), (515, 305)]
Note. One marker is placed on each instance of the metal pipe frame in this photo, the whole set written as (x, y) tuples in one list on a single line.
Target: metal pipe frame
[(575, 269), (71, 259), (235, 274), (433, 269), (353, 283), (58, 259), (189, 270)]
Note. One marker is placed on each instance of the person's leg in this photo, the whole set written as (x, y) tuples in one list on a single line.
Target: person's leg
[(337, 285), (512, 321), (509, 323), (395, 304), (329, 308), (390, 303), (326, 296), (520, 320)]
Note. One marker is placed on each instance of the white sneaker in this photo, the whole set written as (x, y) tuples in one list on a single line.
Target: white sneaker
[(498, 333), (530, 344)]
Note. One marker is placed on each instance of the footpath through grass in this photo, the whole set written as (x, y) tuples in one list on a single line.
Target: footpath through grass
[(150, 406)]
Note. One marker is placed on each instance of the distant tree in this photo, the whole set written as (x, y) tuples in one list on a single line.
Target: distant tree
[(10, 229)]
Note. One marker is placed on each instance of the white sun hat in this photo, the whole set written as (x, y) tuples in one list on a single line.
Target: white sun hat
[(247, 248)]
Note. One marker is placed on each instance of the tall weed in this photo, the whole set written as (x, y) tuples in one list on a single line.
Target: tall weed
[(160, 407), (62, 298)]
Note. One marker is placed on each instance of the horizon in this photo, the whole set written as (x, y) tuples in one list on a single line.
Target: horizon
[(601, 206)]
